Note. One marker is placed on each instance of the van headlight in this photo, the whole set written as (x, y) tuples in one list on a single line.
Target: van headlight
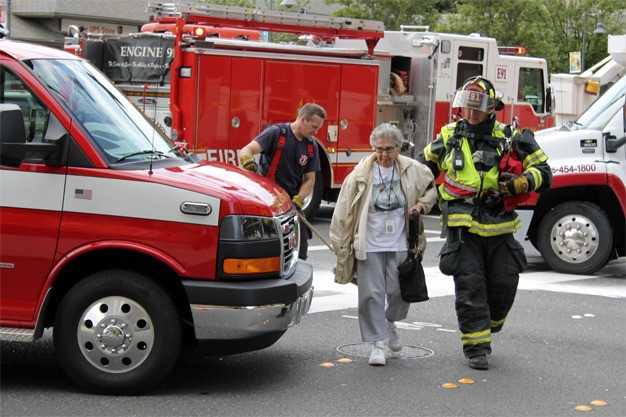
[(249, 246), (248, 228)]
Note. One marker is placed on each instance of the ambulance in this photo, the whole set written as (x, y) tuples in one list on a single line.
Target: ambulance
[(125, 245)]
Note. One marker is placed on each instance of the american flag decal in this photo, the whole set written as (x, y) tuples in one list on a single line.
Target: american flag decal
[(81, 194)]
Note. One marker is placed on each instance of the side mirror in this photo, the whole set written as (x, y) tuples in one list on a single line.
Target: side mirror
[(613, 143), (548, 100), (13, 145), (12, 135)]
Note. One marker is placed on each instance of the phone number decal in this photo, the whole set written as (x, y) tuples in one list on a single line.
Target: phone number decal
[(568, 169)]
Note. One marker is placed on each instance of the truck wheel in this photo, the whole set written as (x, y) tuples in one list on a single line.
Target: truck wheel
[(312, 201), (117, 332), (575, 238)]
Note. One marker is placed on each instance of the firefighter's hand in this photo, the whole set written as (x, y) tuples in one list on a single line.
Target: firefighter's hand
[(248, 162), (298, 202), (511, 184)]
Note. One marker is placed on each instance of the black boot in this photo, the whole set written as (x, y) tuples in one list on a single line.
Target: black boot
[(479, 362)]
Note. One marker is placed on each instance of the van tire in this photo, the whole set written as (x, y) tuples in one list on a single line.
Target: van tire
[(117, 332), (575, 238)]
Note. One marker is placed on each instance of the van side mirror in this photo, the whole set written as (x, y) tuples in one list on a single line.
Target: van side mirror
[(13, 145), (613, 143)]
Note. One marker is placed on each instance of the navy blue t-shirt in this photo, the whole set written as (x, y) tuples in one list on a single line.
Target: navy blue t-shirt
[(294, 161)]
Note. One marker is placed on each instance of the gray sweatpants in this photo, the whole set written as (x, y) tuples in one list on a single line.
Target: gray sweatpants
[(377, 278)]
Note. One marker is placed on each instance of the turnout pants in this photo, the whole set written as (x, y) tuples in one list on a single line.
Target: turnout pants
[(486, 273)]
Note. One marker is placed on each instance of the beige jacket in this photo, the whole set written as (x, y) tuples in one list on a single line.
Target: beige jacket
[(348, 224)]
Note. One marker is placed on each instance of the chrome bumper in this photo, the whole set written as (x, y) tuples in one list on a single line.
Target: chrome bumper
[(212, 322)]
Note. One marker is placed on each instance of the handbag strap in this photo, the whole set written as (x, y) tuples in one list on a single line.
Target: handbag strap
[(414, 230)]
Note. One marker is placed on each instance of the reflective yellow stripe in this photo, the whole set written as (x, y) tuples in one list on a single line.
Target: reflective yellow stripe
[(458, 220), (537, 177), (465, 220), (497, 323), (476, 338), (430, 156), (534, 158)]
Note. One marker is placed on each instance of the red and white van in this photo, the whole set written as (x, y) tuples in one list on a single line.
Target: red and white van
[(122, 242)]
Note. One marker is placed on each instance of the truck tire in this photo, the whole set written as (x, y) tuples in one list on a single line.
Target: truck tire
[(117, 332), (312, 201), (575, 238)]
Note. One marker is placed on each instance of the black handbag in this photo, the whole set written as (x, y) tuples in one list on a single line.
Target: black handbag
[(410, 272)]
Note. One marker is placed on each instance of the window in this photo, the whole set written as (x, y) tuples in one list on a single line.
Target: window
[(467, 53), (14, 91), (466, 71), (530, 88)]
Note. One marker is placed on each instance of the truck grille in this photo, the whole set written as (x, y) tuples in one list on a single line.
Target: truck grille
[(290, 234)]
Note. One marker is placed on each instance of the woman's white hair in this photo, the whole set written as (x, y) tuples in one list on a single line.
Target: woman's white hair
[(387, 131)]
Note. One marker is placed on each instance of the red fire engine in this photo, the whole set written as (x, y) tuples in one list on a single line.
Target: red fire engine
[(213, 95)]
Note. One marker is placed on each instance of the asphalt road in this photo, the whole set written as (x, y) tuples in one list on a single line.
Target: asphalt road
[(563, 346)]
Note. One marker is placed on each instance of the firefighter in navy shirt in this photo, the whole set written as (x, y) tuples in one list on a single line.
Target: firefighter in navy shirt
[(290, 157)]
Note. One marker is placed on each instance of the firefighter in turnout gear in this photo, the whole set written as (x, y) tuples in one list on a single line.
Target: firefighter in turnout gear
[(488, 168)]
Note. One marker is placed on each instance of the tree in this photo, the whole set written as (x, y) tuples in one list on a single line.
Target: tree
[(566, 20), (392, 12)]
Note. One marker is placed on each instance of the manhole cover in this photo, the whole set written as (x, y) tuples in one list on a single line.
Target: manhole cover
[(363, 350)]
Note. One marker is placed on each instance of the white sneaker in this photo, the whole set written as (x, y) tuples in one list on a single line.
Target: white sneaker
[(394, 342), (377, 357)]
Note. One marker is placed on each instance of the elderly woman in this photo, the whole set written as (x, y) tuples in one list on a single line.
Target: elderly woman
[(369, 233)]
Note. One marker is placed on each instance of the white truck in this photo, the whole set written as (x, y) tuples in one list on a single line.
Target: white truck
[(578, 225), (574, 93)]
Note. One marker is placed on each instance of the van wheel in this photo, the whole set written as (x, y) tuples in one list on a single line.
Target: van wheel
[(117, 332), (312, 201), (575, 238)]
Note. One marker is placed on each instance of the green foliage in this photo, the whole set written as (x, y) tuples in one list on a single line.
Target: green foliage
[(392, 12)]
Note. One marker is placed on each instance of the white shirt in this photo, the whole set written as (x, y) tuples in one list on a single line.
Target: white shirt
[(385, 221)]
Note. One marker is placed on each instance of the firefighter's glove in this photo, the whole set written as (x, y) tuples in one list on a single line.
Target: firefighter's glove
[(511, 184), (248, 162), (298, 202)]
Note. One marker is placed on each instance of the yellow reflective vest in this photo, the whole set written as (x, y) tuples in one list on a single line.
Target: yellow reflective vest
[(470, 163)]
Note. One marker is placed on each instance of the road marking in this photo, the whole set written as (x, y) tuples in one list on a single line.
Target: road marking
[(317, 248), (329, 296)]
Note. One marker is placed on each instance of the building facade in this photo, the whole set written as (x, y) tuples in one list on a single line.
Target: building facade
[(46, 21)]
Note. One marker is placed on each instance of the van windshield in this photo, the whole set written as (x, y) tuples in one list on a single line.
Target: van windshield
[(604, 108), (116, 126)]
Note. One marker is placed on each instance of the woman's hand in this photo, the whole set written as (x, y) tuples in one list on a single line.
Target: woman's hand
[(419, 207)]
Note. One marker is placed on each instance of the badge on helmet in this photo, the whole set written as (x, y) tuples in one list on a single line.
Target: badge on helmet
[(478, 93)]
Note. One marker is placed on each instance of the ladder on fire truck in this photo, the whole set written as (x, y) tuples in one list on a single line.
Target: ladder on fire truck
[(324, 27)]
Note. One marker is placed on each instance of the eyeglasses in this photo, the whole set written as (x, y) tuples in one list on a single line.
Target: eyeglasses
[(387, 150)]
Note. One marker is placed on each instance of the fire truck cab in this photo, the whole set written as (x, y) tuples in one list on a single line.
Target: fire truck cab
[(420, 71)]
